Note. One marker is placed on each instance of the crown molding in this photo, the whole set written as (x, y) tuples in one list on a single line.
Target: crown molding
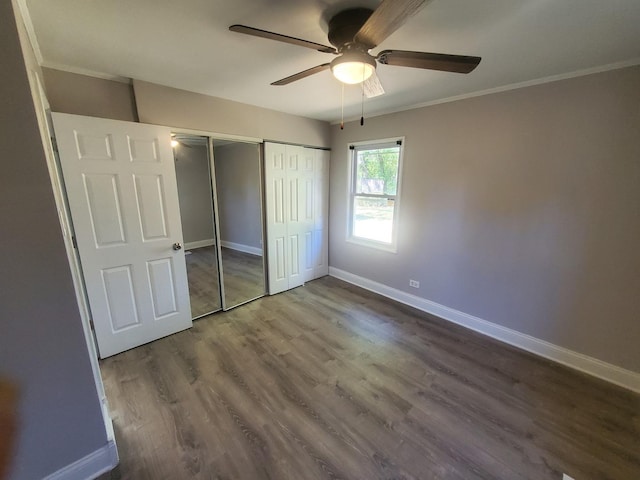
[(28, 26), (86, 72), (504, 88)]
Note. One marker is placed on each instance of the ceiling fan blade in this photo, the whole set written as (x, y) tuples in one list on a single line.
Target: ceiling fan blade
[(303, 74), (430, 61), (386, 19), (256, 32)]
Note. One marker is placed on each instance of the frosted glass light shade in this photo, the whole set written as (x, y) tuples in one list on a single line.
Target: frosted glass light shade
[(353, 67)]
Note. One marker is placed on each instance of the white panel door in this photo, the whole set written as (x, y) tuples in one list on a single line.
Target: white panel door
[(277, 209), (120, 181), (295, 221), (308, 207), (321, 214)]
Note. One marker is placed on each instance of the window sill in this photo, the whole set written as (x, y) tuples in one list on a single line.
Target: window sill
[(363, 242)]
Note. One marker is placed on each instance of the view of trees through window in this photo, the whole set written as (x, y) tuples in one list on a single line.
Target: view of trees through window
[(378, 171), (375, 186)]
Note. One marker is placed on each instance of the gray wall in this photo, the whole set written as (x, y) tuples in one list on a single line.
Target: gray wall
[(94, 97), (521, 208), (194, 192), (150, 103), (179, 108), (238, 189), (42, 345)]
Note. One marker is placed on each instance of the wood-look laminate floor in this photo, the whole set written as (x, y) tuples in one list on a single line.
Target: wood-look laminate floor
[(329, 381)]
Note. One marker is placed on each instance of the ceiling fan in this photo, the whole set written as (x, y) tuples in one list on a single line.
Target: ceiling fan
[(354, 32)]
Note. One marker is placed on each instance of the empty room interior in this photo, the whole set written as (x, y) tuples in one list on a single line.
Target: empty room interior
[(320, 239)]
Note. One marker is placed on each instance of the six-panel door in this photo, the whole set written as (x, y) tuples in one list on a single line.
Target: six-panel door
[(120, 181), (297, 207)]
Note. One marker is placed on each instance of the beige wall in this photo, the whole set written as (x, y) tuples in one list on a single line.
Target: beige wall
[(179, 108), (94, 97), (42, 343), (521, 208)]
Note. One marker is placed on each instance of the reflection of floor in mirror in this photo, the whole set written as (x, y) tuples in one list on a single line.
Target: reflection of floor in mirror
[(243, 276), (202, 271)]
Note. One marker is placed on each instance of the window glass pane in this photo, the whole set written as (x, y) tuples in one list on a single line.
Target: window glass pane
[(373, 218), (377, 171)]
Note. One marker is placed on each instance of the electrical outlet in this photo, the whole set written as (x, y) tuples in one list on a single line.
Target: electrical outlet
[(414, 283)]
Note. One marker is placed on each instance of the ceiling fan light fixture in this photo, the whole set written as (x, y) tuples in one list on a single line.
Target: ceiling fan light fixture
[(353, 67)]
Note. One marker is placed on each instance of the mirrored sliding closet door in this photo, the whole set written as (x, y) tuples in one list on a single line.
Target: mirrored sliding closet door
[(238, 183), (195, 194), (221, 208)]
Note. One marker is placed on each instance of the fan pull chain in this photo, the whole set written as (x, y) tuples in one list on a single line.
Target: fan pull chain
[(362, 107), (342, 105)]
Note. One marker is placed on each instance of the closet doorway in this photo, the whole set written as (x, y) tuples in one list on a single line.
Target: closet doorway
[(220, 196)]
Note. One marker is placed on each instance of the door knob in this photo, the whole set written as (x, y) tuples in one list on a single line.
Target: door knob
[(177, 246)]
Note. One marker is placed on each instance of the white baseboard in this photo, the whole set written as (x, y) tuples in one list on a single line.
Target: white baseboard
[(242, 248), (592, 366), (93, 465), (207, 242)]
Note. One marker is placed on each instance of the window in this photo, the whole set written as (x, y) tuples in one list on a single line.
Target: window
[(375, 185)]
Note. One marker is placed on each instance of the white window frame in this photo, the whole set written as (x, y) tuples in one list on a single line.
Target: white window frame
[(351, 193)]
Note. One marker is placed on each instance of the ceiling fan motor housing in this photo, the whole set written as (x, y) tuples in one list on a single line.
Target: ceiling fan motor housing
[(344, 26)]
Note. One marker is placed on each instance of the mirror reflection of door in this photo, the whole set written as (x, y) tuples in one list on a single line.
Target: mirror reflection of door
[(238, 190), (193, 175)]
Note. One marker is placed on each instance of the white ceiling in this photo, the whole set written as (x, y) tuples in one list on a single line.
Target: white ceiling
[(186, 44)]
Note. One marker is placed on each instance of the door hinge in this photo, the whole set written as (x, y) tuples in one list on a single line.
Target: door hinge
[(74, 242), (54, 144), (93, 327)]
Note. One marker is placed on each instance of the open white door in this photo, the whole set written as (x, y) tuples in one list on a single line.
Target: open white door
[(121, 185)]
